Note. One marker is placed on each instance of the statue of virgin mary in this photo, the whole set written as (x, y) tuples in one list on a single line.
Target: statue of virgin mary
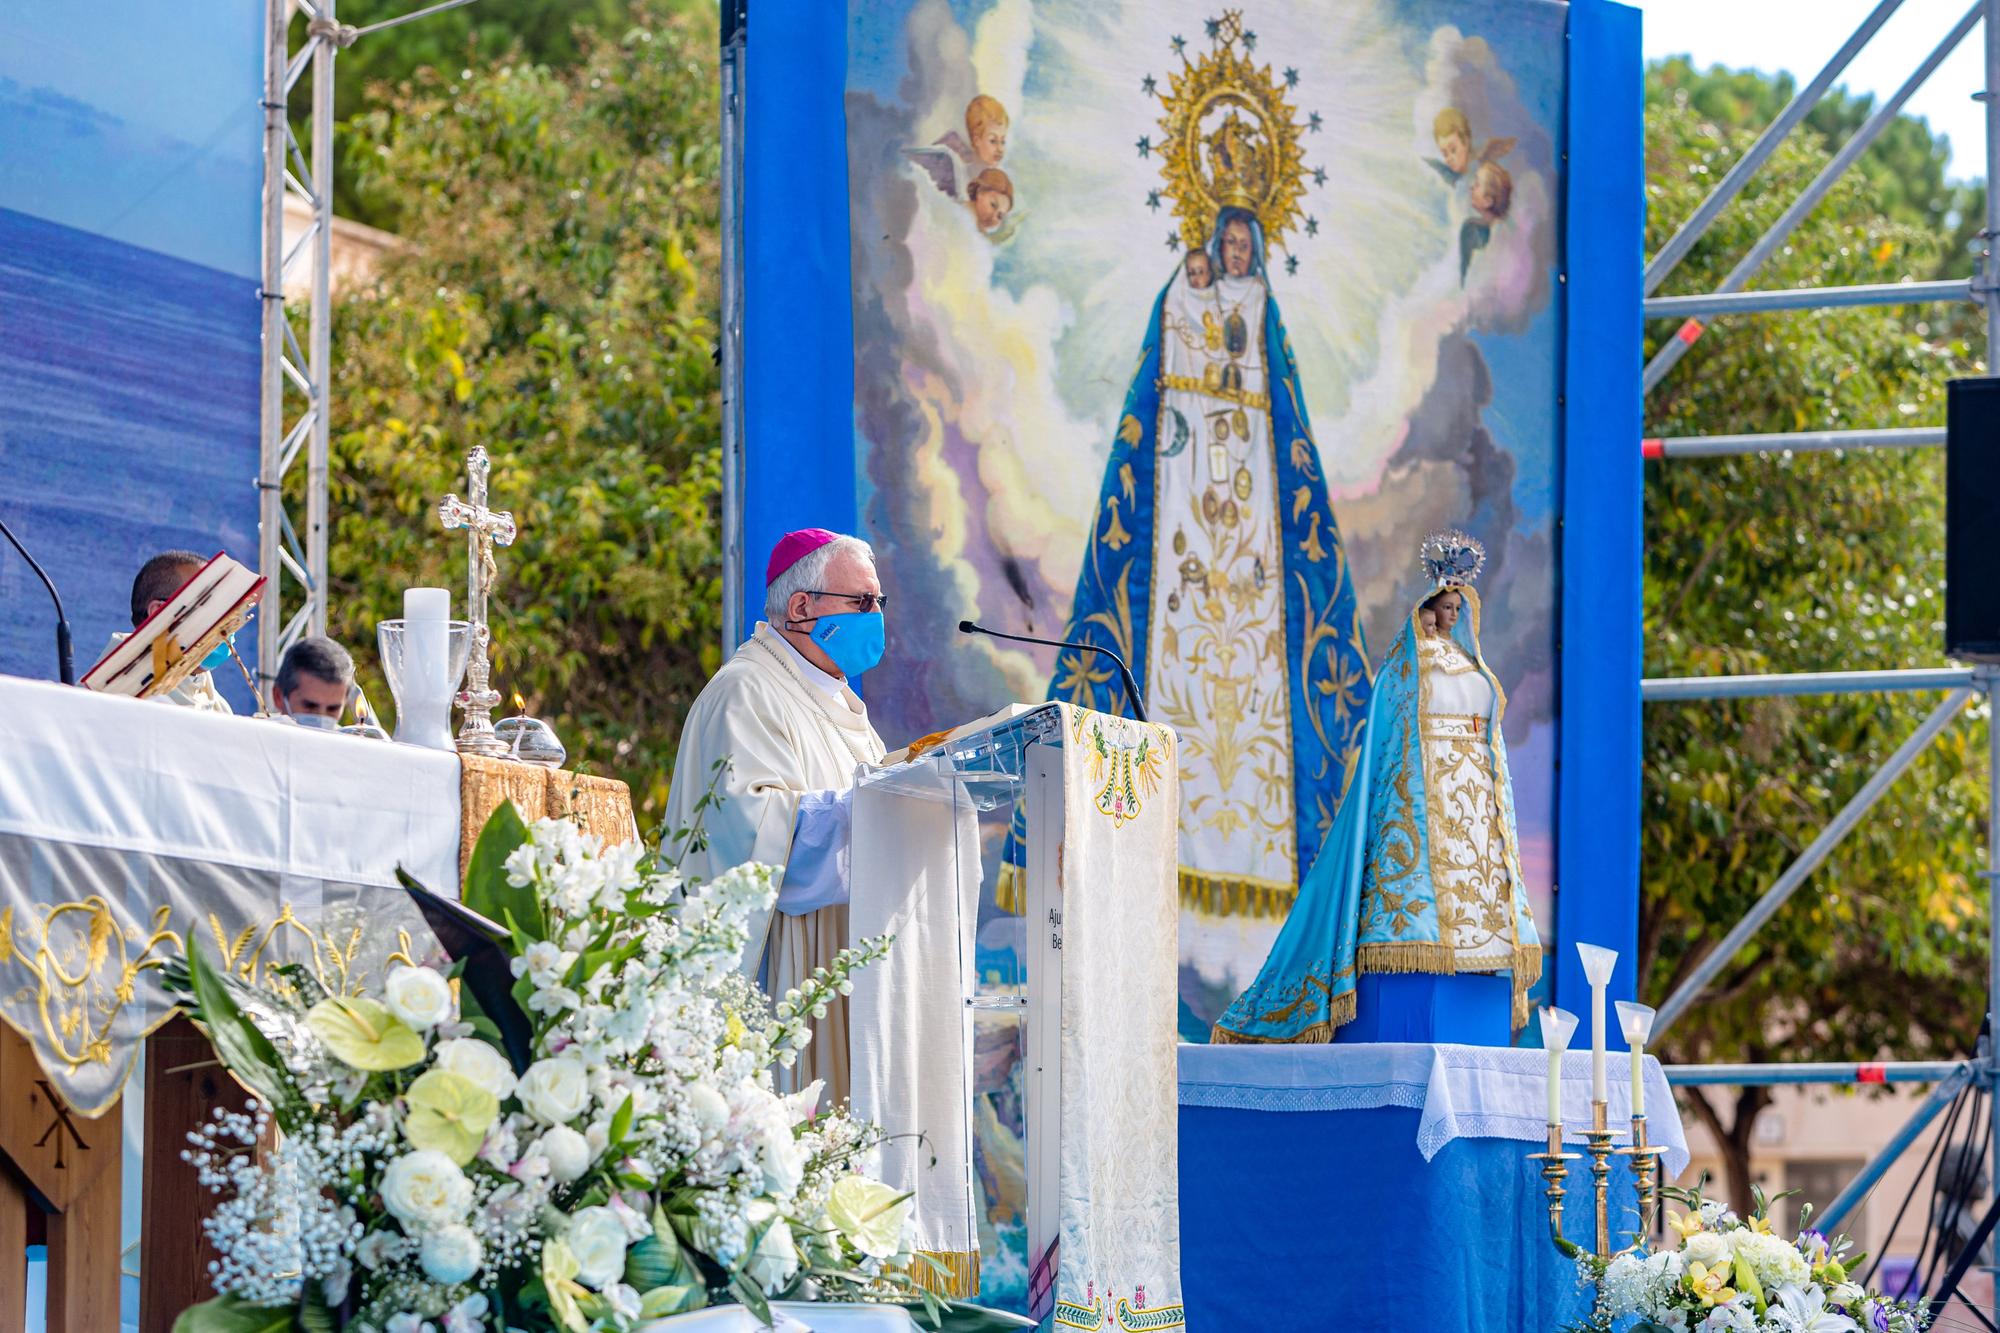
[(1415, 918)]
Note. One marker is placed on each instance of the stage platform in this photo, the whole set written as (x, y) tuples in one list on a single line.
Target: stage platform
[(1387, 1186)]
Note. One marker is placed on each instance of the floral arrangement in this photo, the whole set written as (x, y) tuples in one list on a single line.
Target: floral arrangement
[(1732, 1274), (569, 1124)]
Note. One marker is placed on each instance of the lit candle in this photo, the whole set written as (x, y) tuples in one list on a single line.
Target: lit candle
[(1597, 964), (1636, 1022), (1557, 1025)]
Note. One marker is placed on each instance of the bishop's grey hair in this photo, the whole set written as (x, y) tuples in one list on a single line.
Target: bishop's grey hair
[(808, 573)]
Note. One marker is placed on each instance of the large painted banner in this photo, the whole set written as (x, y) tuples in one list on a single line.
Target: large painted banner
[(131, 175), (1175, 327)]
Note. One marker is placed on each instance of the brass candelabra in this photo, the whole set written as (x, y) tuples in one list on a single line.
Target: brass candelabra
[(1598, 1145)]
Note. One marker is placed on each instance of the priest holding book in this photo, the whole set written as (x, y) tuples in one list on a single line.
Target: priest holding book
[(158, 580), (784, 720)]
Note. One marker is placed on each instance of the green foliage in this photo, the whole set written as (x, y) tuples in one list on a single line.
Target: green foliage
[(227, 1314), (487, 889), (556, 303), (1904, 168), (1817, 561)]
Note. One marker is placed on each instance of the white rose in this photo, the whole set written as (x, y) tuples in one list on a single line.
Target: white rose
[(450, 1255), (1707, 1248), (776, 1260), (555, 1091), (566, 1152), (426, 1189), (479, 1063), (784, 1162), (418, 996), (711, 1112), (597, 1238)]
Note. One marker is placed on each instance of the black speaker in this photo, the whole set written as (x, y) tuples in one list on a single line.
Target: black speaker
[(1972, 520)]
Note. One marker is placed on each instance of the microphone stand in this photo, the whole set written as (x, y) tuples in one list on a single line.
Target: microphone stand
[(65, 658), (1124, 672)]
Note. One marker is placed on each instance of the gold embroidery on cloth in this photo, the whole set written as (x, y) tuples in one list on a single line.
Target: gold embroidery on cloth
[(1194, 384)]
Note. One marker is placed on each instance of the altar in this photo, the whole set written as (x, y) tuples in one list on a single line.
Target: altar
[(125, 825), (1388, 1186)]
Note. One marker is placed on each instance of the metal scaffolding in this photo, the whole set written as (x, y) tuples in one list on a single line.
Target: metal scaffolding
[(1962, 685), (296, 380)]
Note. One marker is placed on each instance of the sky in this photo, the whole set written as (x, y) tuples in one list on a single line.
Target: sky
[(139, 121), (1800, 36)]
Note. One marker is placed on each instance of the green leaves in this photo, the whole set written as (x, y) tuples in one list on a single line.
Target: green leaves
[(487, 891), (245, 1051), (227, 1314), (1806, 562), (539, 302)]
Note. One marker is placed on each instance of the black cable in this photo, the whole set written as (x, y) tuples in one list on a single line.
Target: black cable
[(65, 661), (1945, 1135), (1951, 1115), (1966, 1258), (1968, 1169)]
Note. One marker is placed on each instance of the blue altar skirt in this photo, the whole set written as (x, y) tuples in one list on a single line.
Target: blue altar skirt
[(1334, 1220)]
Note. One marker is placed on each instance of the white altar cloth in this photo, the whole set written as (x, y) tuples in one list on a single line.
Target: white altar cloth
[(1463, 1091), (125, 823)]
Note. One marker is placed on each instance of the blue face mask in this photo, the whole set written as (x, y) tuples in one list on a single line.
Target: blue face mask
[(218, 656), (852, 639)]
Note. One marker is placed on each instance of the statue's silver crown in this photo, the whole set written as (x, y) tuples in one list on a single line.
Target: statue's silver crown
[(1451, 557)]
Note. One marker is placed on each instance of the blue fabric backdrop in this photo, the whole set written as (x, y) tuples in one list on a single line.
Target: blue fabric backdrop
[(131, 179), (799, 394)]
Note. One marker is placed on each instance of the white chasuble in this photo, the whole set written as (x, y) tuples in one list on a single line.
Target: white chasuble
[(1469, 853), (782, 737), (1216, 665), (1119, 1194)]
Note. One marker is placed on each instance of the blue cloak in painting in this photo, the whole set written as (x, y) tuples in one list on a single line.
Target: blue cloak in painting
[(1372, 902), (1318, 663)]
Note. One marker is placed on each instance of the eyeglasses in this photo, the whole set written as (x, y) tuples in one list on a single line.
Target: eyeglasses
[(866, 601)]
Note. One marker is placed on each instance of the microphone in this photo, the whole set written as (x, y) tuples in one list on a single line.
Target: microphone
[(65, 662), (1124, 672)]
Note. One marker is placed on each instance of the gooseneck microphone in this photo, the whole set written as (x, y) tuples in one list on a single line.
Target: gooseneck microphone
[(1124, 672), (65, 660)]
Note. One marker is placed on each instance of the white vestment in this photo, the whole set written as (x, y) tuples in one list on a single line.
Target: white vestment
[(783, 736)]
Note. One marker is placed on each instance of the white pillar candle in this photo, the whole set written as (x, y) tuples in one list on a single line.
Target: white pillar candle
[(1597, 964), (1636, 1022), (427, 666), (1557, 1025)]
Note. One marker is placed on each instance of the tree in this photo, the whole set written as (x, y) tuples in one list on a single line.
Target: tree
[(1789, 563), (557, 304)]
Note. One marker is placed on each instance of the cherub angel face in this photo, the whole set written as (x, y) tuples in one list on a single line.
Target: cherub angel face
[(991, 144), (1456, 149), (990, 208), (1492, 191)]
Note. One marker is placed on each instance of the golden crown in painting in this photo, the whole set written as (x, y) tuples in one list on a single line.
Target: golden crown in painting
[(1230, 139)]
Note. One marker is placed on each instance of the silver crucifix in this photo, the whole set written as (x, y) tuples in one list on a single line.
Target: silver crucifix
[(484, 529)]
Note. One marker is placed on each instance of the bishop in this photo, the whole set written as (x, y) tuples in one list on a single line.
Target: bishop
[(784, 720)]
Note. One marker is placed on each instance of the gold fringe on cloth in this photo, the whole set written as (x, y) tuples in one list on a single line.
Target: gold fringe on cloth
[(1010, 894), (1430, 956), (959, 1281), (1201, 891), (601, 805), (1341, 1011), (1236, 895)]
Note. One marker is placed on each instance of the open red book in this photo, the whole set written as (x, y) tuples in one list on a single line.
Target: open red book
[(168, 647)]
